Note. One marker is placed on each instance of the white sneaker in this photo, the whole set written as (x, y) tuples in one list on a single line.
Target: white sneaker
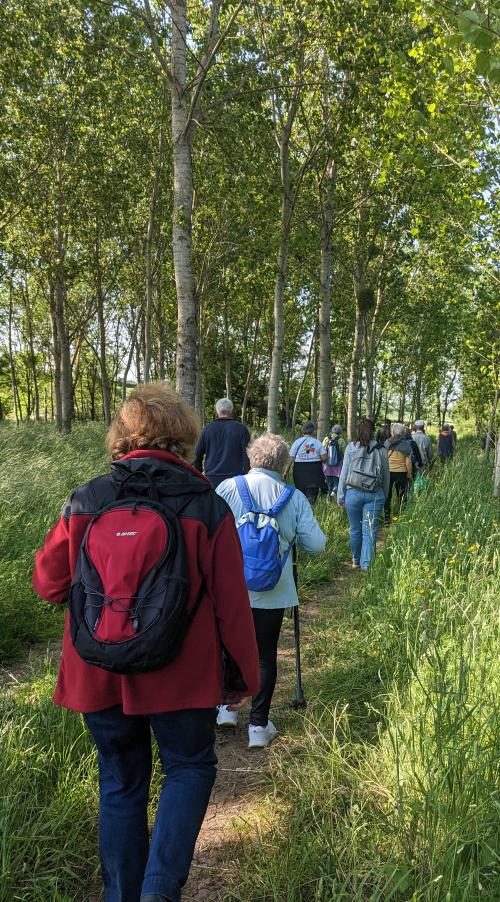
[(260, 737), (226, 718)]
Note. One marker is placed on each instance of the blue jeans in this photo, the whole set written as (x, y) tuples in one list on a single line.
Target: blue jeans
[(130, 865), (364, 510)]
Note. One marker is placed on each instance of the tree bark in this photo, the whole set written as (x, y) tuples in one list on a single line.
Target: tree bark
[(149, 243), (227, 350), (315, 386), (281, 266), (56, 352), (66, 381), (491, 425), (325, 341), (32, 355), (12, 367), (496, 475), (106, 399), (353, 387), (186, 359)]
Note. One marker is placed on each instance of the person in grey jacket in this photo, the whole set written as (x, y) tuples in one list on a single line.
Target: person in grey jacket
[(363, 508), (269, 457), (424, 443)]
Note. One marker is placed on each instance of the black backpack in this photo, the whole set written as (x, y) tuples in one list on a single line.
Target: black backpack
[(128, 600)]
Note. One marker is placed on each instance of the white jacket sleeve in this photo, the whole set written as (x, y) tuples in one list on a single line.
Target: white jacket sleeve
[(309, 535)]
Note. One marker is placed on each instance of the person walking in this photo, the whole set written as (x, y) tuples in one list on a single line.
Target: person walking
[(307, 455), (332, 466), (400, 467), (416, 457), (454, 436), (264, 488), (150, 442), (446, 445), (423, 441), (221, 449), (363, 486)]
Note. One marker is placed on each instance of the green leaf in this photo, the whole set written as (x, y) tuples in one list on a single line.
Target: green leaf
[(494, 75), (483, 40), (420, 118), (449, 65), (483, 62), (470, 15)]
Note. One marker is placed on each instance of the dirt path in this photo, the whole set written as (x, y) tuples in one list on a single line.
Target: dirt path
[(242, 773)]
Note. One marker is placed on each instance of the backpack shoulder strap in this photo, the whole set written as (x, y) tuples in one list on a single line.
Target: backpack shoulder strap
[(244, 493), (301, 445), (283, 499)]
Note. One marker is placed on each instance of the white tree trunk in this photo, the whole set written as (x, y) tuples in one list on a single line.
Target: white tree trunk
[(496, 474), (325, 350), (281, 273), (353, 389), (186, 359)]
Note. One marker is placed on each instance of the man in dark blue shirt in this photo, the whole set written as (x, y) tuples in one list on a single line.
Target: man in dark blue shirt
[(223, 444)]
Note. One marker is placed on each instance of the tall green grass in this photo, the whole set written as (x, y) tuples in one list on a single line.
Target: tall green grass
[(48, 798), (393, 790), (39, 469)]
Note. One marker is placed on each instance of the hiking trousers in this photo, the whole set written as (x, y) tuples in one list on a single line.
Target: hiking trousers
[(131, 866), (267, 622), (399, 481)]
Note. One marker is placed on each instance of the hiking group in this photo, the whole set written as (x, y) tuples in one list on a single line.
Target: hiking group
[(177, 584)]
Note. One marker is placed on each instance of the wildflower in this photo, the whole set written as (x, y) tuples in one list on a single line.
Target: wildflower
[(475, 547)]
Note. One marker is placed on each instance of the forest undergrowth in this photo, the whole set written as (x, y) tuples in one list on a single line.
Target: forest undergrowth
[(387, 786)]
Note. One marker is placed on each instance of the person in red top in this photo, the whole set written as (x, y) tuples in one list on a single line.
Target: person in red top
[(155, 432)]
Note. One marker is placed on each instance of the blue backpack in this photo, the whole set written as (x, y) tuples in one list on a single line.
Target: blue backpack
[(259, 534)]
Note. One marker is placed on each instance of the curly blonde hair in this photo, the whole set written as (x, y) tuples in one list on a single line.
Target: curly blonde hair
[(154, 416)]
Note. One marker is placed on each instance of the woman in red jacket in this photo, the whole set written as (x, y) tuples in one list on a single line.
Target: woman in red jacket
[(152, 438)]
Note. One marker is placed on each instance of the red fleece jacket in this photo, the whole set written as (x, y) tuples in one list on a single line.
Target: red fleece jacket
[(194, 679)]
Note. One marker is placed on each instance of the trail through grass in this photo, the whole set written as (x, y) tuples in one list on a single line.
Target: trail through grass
[(392, 790), (386, 788)]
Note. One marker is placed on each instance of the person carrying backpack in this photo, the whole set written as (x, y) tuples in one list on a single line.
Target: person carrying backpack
[(424, 443), (400, 467), (270, 517), (363, 486), (446, 444), (159, 616), (332, 466), (307, 455)]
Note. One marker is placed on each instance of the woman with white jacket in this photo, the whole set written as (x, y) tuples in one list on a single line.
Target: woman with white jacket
[(269, 457)]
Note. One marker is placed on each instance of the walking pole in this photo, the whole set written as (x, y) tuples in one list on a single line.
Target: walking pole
[(299, 700)]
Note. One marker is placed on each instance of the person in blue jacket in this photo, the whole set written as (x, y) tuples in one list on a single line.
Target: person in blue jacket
[(222, 447)]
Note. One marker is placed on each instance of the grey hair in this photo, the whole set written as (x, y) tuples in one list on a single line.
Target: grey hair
[(397, 429), (268, 451), (224, 405)]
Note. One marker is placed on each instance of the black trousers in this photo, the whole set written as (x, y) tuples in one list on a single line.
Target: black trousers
[(399, 481), (309, 479), (267, 630)]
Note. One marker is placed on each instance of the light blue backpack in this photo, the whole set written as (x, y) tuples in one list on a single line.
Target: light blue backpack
[(259, 534)]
